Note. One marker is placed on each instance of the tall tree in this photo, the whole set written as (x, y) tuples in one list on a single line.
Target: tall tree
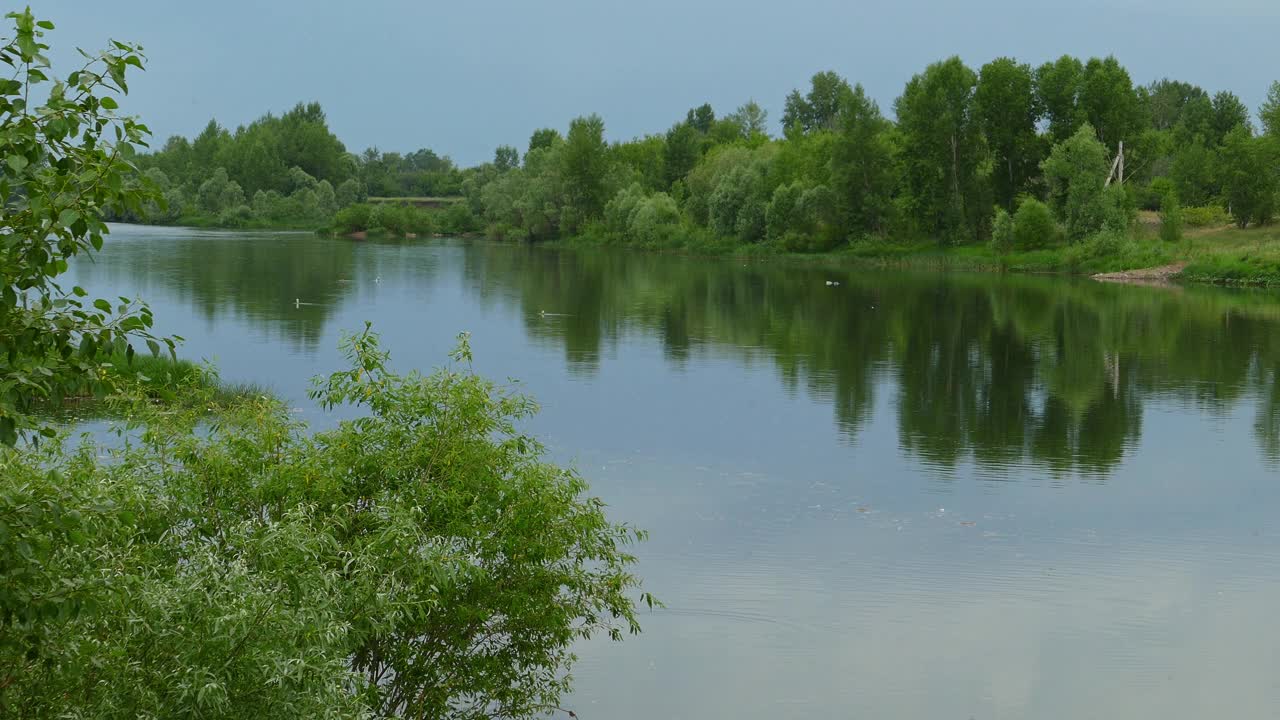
[(1076, 171), (1057, 88), (1269, 113), (506, 157), (820, 108), (1228, 114), (1248, 174), (1108, 101), (1007, 110), (584, 162), (681, 153), (942, 149), (752, 118), (543, 138), (701, 118), (1164, 100), (862, 166)]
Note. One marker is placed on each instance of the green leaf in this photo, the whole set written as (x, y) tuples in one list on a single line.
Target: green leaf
[(154, 346), (88, 346), (102, 305), (17, 162), (109, 103), (8, 431)]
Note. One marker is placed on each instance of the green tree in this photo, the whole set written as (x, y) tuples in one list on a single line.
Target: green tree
[(701, 118), (753, 119), (506, 157), (1006, 108), (820, 108), (1108, 102), (543, 138), (1248, 175), (863, 166), (1076, 171), (1193, 173), (1002, 231), (585, 161), (1057, 89), (1269, 112), (942, 150), (681, 153), (1165, 99), (1033, 225), (67, 159), (1228, 114)]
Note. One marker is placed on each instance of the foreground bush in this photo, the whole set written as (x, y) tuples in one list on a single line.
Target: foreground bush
[(422, 561)]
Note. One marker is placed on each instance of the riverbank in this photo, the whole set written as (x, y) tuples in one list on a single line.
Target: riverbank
[(1224, 255)]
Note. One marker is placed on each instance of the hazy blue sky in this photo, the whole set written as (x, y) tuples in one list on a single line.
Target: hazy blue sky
[(464, 77)]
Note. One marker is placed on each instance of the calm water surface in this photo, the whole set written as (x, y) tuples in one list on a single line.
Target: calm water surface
[(905, 496)]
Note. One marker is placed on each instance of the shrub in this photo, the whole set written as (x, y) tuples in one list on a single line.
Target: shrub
[(1170, 218), (457, 218), (423, 560), (1033, 226), (238, 216), (353, 218), (1205, 216), (1002, 231), (655, 221)]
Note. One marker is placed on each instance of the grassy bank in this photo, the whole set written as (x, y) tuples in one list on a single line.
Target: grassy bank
[(1222, 254), (150, 379)]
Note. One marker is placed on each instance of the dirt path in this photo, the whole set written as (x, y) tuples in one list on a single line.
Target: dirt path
[(1145, 276)]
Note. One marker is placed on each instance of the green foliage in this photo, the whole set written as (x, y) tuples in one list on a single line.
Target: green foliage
[(506, 157), (1269, 112), (752, 120), (1171, 220), (737, 201), (1057, 89), (584, 164), (1033, 225), (1165, 99), (1193, 172), (67, 160), (1205, 216), (1108, 102), (1005, 104), (681, 152), (820, 108), (651, 221), (1003, 237), (543, 139), (1248, 174), (424, 560), (1229, 113), (943, 151), (1076, 172), (863, 167)]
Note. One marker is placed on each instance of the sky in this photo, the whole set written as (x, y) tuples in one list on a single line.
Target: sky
[(463, 77)]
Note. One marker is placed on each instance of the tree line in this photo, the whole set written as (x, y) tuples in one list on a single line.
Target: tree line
[(280, 170), (1022, 156)]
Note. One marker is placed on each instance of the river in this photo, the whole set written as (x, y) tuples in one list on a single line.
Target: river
[(870, 494)]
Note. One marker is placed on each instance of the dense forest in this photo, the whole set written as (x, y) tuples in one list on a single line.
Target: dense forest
[(1022, 157)]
